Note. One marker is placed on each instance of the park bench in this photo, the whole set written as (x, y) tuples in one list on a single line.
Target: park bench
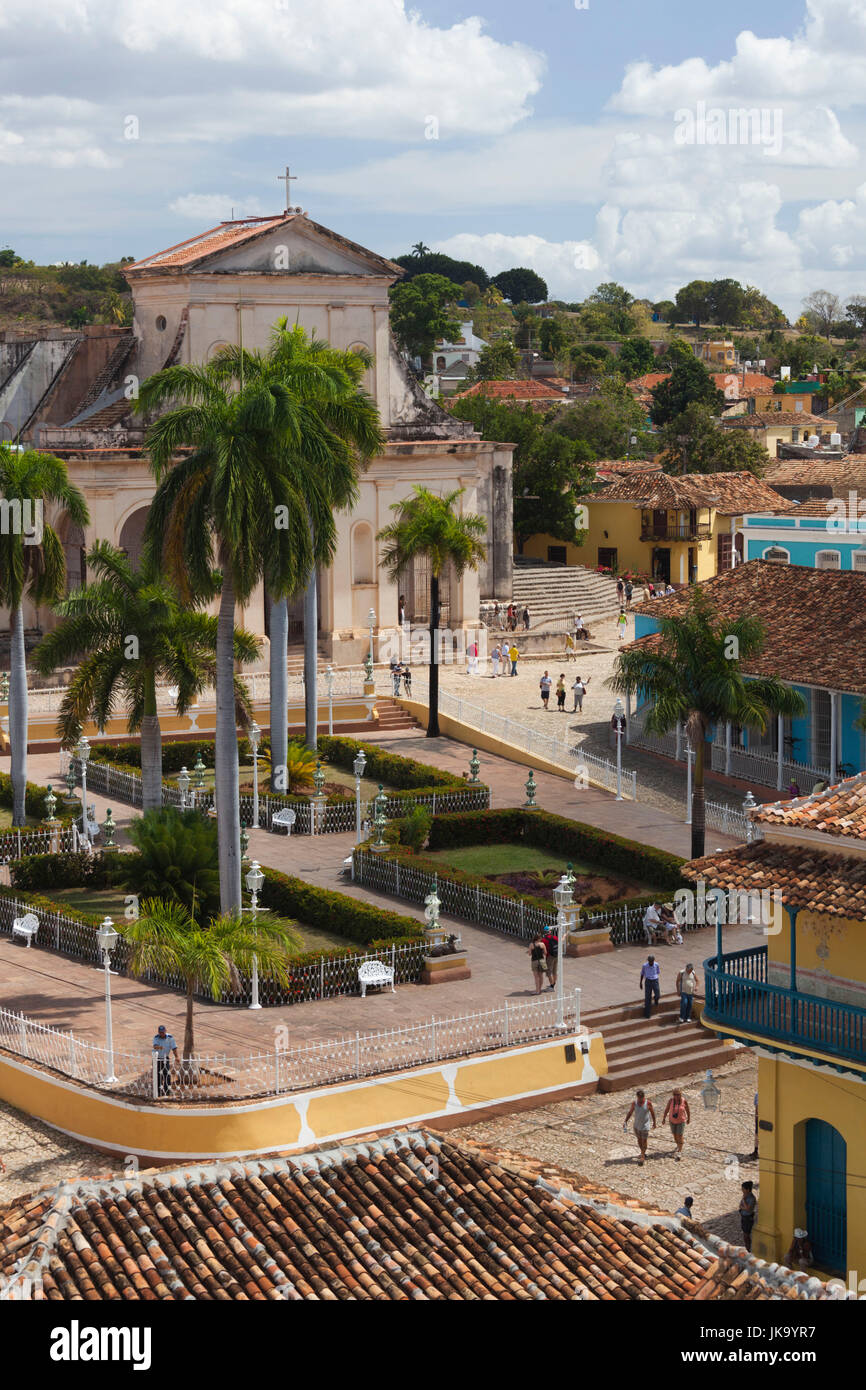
[(373, 972), (26, 926), (285, 817)]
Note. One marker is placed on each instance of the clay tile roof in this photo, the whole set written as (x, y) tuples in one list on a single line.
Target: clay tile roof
[(616, 467), (822, 881), (732, 494), (517, 390), (839, 810), (801, 610), (776, 417), (218, 238), (408, 1217)]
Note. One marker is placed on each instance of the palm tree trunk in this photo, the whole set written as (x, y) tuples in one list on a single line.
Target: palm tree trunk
[(226, 749), (698, 804), (18, 716), (433, 718), (279, 628), (188, 1038), (311, 652), (151, 748)]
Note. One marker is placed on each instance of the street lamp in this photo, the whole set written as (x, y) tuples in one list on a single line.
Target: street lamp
[(618, 726), (183, 786), (254, 734), (562, 896), (368, 663), (329, 683), (255, 878), (106, 938), (358, 768), (82, 753)]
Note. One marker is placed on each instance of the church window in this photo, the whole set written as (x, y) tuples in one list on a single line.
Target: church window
[(362, 554), (161, 322)]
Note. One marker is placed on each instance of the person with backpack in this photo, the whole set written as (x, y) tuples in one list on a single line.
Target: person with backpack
[(629, 590), (551, 945), (538, 961), (544, 686), (620, 590), (407, 680), (680, 1116)]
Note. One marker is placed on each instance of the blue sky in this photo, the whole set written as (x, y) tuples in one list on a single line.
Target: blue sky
[(556, 141)]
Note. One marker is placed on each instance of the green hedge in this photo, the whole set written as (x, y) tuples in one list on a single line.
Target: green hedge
[(34, 797), (49, 905), (35, 871), (572, 840), (349, 917), (403, 773)]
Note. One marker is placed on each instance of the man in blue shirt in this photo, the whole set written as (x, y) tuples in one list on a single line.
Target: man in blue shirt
[(649, 981), (163, 1045)]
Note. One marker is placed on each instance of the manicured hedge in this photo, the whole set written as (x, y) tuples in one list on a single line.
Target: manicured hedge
[(404, 773), (349, 917), (34, 797), (571, 839), (36, 871), (49, 905)]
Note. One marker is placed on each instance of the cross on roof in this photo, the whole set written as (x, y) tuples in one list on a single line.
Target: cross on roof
[(287, 178)]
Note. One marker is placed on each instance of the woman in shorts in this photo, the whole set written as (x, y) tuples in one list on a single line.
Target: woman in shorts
[(538, 961), (678, 1116)]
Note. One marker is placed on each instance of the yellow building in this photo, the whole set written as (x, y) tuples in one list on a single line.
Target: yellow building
[(799, 1000), (772, 427), (680, 530), (717, 354)]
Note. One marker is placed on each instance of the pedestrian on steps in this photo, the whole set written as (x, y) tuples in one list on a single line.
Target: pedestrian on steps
[(649, 983)]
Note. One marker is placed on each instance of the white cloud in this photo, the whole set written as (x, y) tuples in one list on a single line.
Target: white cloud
[(214, 207)]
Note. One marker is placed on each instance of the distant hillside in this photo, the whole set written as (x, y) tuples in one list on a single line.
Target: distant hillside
[(45, 296)]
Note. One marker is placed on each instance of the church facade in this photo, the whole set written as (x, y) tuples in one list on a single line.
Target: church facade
[(230, 285)]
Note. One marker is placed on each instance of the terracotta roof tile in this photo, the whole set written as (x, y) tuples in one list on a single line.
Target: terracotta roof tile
[(218, 238), (777, 417), (839, 810), (528, 390), (408, 1217), (824, 882), (732, 494), (801, 609)]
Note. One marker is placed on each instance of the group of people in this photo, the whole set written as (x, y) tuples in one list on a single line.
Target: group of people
[(650, 987), (578, 690), (660, 924), (507, 619), (503, 657), (643, 1118), (401, 672), (544, 958)]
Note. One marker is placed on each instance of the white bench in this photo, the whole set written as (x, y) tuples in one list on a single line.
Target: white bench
[(373, 972), (26, 926), (285, 817)]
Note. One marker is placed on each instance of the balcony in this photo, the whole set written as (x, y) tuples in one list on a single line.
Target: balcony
[(676, 531), (740, 1000)]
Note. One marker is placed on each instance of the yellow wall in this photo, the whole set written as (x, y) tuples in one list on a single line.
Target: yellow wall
[(623, 522), (788, 1095), (443, 1092), (830, 953)]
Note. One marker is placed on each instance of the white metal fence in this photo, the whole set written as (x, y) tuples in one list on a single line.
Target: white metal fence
[(763, 768), (209, 1077), (17, 844), (555, 750), (730, 821)]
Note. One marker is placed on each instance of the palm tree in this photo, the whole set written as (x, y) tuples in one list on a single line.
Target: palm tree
[(166, 939), (690, 677), (420, 249), (177, 860), (32, 565), (328, 382), (263, 465), (135, 633), (429, 525)]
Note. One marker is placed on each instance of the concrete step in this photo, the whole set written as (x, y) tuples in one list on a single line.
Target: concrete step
[(665, 1068), (658, 1048)]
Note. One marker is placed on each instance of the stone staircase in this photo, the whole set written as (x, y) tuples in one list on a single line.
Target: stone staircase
[(641, 1051), (552, 593), (393, 718)]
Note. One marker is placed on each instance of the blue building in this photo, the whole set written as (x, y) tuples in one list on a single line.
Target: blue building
[(827, 533), (815, 641)]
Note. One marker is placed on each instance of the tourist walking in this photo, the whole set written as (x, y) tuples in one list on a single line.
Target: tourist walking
[(649, 983), (472, 654), (407, 680), (643, 1118), (620, 590), (621, 624), (560, 692), (687, 984), (551, 945), (544, 686), (494, 660), (570, 648), (629, 590), (677, 1109), (748, 1209), (163, 1045), (394, 668), (538, 961), (513, 654), (526, 619), (578, 690)]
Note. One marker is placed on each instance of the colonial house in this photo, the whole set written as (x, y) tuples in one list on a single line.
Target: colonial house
[(677, 529), (521, 391), (782, 396), (798, 1000), (814, 640), (771, 428), (230, 284), (824, 532)]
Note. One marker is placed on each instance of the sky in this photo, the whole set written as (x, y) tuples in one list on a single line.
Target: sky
[(591, 141)]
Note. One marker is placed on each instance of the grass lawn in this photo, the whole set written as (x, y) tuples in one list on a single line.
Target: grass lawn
[(506, 862), (6, 818), (500, 859), (111, 902)]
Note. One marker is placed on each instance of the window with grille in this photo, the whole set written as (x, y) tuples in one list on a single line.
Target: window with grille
[(828, 560), (776, 553), (820, 728), (858, 560)]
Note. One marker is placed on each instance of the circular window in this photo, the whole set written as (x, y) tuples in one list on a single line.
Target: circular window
[(160, 322)]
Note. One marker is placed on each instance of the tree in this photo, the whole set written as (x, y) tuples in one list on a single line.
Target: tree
[(611, 294), (429, 525), (693, 443), (177, 859), (726, 300), (496, 361), (521, 283), (677, 350), (437, 263), (167, 940), (32, 566), (821, 309), (419, 249), (855, 311), (328, 382), (693, 302), (806, 353), (689, 383), (635, 357), (263, 466), (553, 337), (422, 311), (666, 310), (125, 633), (690, 677), (607, 422)]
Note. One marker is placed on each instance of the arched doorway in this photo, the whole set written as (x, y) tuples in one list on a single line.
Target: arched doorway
[(826, 1194), (132, 536)]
